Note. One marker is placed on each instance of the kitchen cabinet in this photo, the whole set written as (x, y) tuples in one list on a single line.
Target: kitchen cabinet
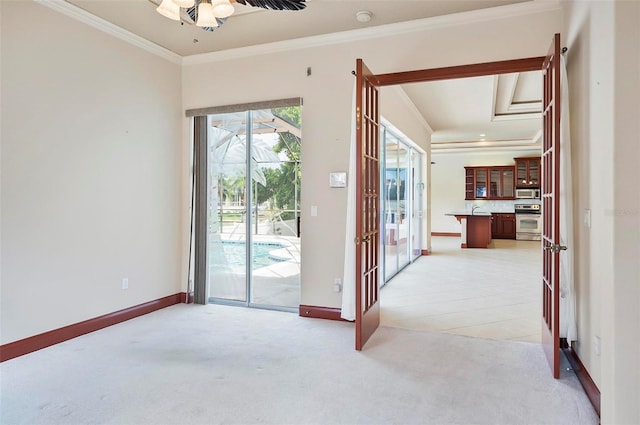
[(475, 182), (493, 182), (528, 172), (503, 226), (501, 182), (476, 229)]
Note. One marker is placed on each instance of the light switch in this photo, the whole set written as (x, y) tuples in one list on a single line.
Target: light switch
[(587, 218), (314, 210)]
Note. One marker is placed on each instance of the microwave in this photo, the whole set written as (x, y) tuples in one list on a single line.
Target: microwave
[(527, 193)]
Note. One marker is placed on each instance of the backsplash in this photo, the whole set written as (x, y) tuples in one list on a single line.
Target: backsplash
[(498, 206)]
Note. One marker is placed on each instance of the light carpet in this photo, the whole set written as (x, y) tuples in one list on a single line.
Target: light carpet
[(227, 365)]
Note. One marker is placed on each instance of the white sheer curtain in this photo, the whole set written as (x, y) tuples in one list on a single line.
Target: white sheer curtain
[(349, 273), (568, 327)]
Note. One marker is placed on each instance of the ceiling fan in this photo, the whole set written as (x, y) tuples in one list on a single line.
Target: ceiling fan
[(210, 14)]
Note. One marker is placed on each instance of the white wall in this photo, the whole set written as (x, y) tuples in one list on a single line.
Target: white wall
[(327, 109), (90, 172), (448, 184), (625, 320), (326, 123), (603, 63)]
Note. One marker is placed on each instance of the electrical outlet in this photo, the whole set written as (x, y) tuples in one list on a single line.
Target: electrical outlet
[(596, 345), (125, 283), (337, 284)]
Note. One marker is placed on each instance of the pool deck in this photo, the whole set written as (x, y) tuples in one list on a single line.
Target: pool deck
[(277, 284)]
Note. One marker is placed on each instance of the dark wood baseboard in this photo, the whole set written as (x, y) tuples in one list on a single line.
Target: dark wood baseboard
[(457, 235), (590, 387), (56, 336), (424, 252), (316, 312)]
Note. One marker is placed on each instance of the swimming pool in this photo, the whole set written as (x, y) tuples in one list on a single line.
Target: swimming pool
[(233, 254)]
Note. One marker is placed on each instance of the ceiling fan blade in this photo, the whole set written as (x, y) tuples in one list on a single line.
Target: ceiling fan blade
[(275, 4)]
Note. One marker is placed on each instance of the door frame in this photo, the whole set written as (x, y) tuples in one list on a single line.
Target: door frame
[(463, 71)]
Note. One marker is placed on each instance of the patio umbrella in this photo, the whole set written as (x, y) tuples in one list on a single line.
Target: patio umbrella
[(230, 150)]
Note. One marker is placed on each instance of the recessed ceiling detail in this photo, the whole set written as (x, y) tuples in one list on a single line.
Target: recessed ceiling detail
[(517, 96), (481, 113)]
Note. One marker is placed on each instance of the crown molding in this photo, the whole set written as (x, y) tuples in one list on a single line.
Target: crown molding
[(484, 150), (85, 17), (463, 18)]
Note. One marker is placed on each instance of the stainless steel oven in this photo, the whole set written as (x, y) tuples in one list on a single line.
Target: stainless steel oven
[(528, 222)]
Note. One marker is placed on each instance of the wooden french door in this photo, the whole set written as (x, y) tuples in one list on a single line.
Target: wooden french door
[(367, 182), (551, 207), (367, 185)]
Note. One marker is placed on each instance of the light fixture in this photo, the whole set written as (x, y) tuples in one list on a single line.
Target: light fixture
[(169, 10), (222, 8), (206, 18), (210, 14)]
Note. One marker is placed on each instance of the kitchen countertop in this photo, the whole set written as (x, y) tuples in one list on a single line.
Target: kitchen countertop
[(468, 213)]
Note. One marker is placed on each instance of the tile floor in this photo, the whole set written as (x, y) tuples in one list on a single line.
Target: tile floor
[(488, 293)]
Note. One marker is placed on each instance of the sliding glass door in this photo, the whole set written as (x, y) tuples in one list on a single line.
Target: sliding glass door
[(401, 199), (253, 208), (392, 186), (417, 193)]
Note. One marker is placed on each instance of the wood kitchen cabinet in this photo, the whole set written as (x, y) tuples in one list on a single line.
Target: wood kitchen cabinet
[(475, 182), (494, 182), (503, 226), (528, 172)]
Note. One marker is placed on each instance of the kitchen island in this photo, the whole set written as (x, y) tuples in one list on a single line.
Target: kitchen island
[(476, 229)]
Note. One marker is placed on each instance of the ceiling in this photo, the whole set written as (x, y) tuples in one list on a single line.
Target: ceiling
[(482, 112), (474, 113)]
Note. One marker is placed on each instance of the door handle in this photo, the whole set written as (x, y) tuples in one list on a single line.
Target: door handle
[(358, 241), (555, 248)]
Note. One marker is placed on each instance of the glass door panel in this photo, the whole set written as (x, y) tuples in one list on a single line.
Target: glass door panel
[(401, 203), (534, 172), (508, 190), (275, 279), (494, 183), (390, 197), (417, 188), (227, 238), (403, 214), (481, 183)]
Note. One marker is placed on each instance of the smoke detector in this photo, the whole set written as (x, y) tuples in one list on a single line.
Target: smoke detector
[(363, 16)]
